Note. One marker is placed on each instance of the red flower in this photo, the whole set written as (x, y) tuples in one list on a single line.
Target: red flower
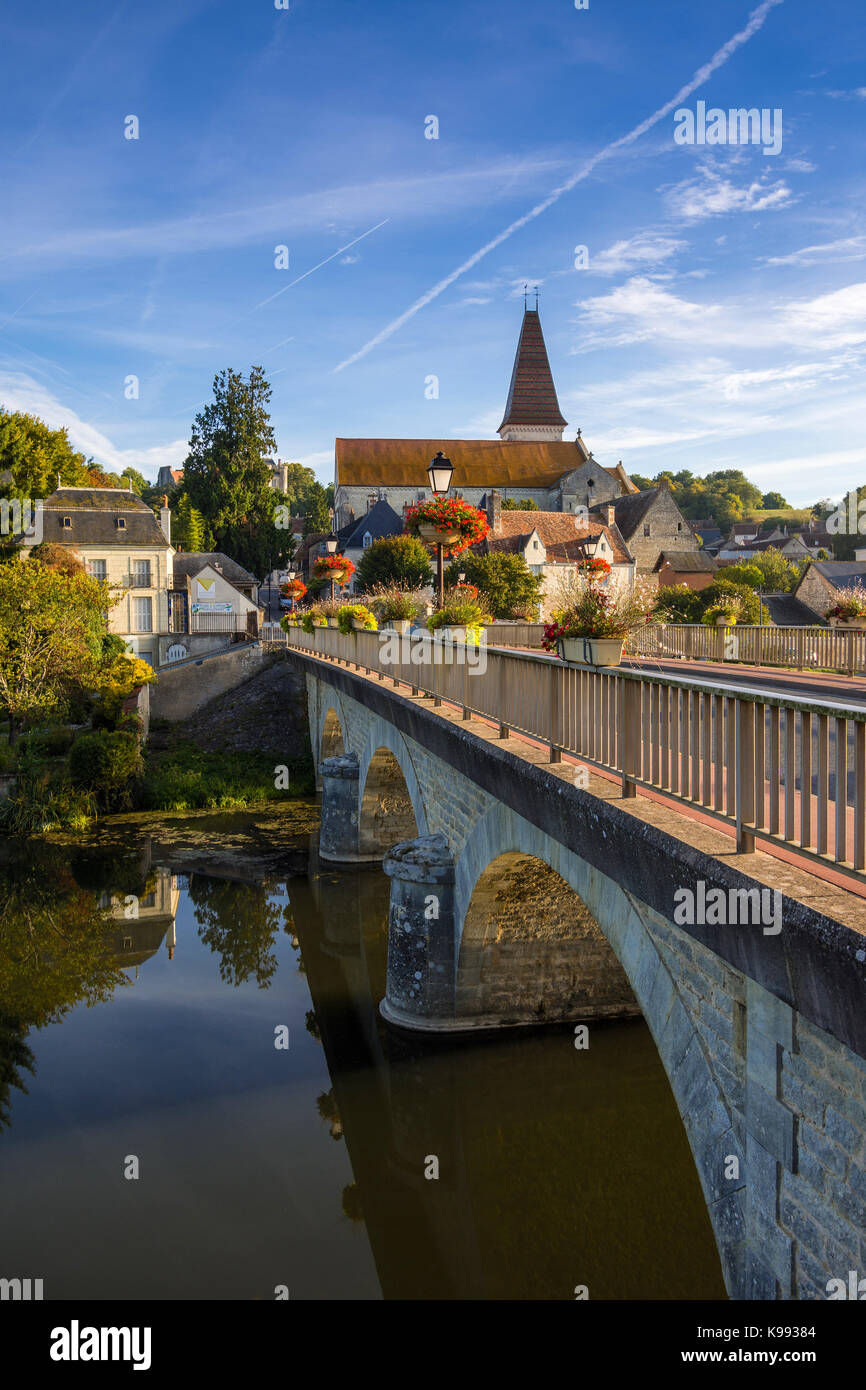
[(449, 514), (330, 566)]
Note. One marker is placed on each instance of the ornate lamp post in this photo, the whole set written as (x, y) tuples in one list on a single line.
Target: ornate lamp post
[(439, 472), (291, 576), (331, 544)]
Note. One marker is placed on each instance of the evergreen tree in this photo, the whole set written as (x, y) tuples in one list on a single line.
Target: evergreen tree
[(316, 510), (226, 476)]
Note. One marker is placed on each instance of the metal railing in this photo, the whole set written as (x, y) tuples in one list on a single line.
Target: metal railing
[(820, 648), (781, 771), (217, 622)]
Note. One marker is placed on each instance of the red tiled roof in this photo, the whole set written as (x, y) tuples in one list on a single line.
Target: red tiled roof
[(532, 394), (562, 535)]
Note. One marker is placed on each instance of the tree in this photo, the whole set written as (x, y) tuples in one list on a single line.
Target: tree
[(678, 603), (520, 504), (34, 455), (139, 483), (226, 476), (776, 573), (723, 589), (505, 582), (188, 528), (51, 630), (772, 501), (57, 557), (402, 560), (316, 514), (747, 574)]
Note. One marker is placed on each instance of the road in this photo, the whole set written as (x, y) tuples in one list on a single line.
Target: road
[(803, 685)]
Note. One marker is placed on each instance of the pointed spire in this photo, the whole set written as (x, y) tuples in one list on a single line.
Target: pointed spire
[(532, 409)]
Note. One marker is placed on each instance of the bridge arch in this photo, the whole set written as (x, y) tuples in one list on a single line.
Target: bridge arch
[(332, 730), (390, 804), (500, 839)]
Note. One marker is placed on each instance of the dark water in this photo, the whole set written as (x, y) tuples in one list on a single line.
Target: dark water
[(152, 1039)]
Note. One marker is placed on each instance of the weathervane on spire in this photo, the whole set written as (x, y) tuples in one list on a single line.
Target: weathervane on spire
[(525, 288), (536, 299)]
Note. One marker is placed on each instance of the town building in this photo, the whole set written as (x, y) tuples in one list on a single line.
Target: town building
[(690, 567), (819, 580), (530, 459), (650, 523)]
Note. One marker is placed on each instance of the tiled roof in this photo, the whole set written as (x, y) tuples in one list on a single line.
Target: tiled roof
[(477, 462), (561, 534), (93, 512), (630, 511), (532, 394)]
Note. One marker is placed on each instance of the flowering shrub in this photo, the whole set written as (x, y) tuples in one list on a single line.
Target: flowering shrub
[(449, 514), (731, 609), (393, 604), (336, 567), (314, 617), (848, 603), (464, 591), (460, 613), (596, 613), (352, 613)]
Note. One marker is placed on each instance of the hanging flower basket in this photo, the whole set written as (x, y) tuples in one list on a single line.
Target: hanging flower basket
[(449, 522), (296, 589), (339, 568)]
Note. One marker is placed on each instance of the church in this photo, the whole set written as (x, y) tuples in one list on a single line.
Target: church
[(530, 460)]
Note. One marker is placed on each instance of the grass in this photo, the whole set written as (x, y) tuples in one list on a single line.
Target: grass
[(182, 777)]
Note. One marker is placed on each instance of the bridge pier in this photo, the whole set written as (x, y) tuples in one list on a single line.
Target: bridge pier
[(338, 837), (420, 982)]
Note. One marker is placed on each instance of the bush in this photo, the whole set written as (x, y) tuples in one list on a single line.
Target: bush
[(677, 603), (504, 581), (722, 591), (400, 560), (184, 778), (352, 613), (49, 740), (107, 764), (393, 604)]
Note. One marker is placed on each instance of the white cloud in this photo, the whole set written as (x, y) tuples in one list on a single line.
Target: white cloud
[(852, 248), (647, 248), (20, 392), (349, 260), (713, 195), (642, 309)]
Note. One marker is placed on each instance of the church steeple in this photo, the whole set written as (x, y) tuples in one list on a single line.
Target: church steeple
[(532, 410)]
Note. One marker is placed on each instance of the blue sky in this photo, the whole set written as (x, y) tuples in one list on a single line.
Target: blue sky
[(721, 320)]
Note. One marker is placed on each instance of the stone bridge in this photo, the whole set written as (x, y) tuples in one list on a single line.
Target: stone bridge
[(524, 892)]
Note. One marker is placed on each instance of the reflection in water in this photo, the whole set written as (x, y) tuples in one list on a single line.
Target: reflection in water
[(556, 1167)]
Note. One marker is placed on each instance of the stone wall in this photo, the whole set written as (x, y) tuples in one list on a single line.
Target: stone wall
[(185, 686)]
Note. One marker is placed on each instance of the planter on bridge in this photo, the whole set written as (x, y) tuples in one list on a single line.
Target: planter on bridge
[(592, 651), (401, 625)]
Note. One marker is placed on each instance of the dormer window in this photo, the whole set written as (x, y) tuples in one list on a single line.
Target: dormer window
[(120, 523), (368, 540), (67, 523)]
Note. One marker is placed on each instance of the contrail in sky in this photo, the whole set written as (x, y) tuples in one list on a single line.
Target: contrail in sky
[(336, 253), (719, 58)]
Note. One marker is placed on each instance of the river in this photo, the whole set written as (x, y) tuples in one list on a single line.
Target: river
[(214, 1109)]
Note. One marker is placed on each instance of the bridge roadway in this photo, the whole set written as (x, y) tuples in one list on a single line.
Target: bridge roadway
[(803, 685)]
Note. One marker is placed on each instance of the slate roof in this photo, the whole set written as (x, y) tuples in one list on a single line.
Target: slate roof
[(788, 611), (841, 572), (93, 513), (688, 561), (187, 564), (381, 520), (532, 394), (630, 511)]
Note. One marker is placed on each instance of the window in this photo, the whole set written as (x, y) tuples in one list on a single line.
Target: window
[(97, 569), (535, 545), (679, 526), (67, 523), (368, 540), (120, 523), (142, 617), (646, 529), (141, 574)]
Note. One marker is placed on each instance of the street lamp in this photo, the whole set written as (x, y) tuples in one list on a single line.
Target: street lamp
[(331, 543), (439, 472), (291, 576), (461, 578)]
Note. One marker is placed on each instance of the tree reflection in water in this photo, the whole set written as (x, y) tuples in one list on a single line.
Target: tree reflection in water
[(239, 923)]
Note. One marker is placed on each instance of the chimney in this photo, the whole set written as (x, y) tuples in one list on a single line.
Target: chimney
[(165, 519), (494, 509), (611, 514)]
